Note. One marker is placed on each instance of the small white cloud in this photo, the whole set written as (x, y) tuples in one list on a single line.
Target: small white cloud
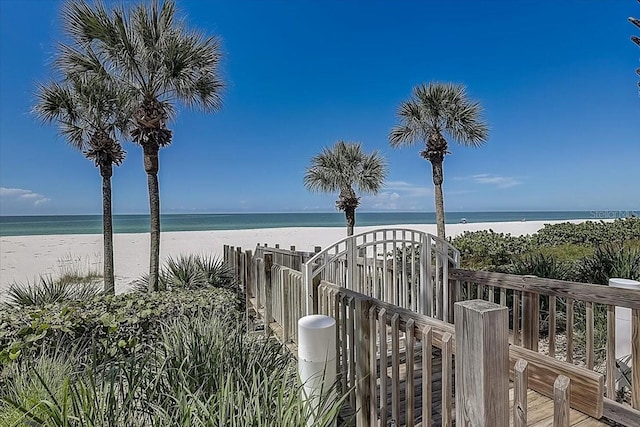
[(498, 181), (18, 194), (485, 178), (407, 189), (398, 195)]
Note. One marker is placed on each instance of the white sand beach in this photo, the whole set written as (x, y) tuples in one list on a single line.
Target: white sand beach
[(23, 258)]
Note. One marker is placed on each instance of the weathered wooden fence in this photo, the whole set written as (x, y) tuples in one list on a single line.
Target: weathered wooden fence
[(534, 301), (386, 280)]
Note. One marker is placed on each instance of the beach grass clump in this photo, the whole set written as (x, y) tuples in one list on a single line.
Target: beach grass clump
[(202, 371), (77, 279), (47, 290), (192, 271), (607, 261), (76, 269)]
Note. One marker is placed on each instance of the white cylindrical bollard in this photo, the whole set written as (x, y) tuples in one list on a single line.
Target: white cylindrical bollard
[(316, 358), (623, 318)]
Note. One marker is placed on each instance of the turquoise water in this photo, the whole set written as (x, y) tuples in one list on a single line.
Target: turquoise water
[(92, 224)]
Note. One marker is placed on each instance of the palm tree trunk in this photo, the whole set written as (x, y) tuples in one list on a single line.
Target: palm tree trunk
[(436, 166), (151, 167), (350, 215), (107, 229)]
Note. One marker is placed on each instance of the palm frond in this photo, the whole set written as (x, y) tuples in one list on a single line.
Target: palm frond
[(341, 167), (437, 108)]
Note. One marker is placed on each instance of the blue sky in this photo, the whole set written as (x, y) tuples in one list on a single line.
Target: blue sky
[(556, 80)]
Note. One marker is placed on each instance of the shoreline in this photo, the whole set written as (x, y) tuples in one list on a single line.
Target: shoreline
[(24, 258)]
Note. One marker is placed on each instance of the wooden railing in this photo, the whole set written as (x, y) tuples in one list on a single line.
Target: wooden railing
[(568, 311), (280, 297), (403, 267), (381, 349)]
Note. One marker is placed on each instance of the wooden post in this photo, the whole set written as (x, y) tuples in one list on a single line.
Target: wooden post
[(363, 390), (482, 364), (561, 399), (530, 320), (268, 262), (520, 386)]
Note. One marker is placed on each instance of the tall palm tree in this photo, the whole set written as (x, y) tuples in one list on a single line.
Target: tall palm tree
[(342, 167), (434, 111), (150, 51), (90, 115)]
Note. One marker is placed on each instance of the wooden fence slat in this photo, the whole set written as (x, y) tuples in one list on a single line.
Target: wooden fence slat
[(410, 389), (344, 368), (589, 335), (569, 327), (373, 363), (382, 327), (395, 368), (363, 372), (516, 318), (552, 326), (446, 380), (426, 376), (635, 356), (351, 351), (611, 352), (530, 320), (268, 305)]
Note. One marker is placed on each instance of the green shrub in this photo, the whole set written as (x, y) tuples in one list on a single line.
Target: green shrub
[(203, 372), (489, 250), (115, 324), (589, 233)]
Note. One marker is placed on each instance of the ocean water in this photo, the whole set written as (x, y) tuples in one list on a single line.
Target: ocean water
[(92, 224)]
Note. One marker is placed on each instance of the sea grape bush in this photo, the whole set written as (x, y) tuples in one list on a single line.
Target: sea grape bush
[(563, 243), (490, 250), (115, 324), (589, 233)]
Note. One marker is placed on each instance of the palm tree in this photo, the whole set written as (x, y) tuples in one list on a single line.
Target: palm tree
[(90, 115), (148, 50), (434, 111), (342, 167)]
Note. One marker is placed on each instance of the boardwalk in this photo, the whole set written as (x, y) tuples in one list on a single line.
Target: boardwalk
[(540, 408), (398, 294)]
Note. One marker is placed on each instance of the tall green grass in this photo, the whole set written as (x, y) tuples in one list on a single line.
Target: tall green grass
[(201, 372)]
